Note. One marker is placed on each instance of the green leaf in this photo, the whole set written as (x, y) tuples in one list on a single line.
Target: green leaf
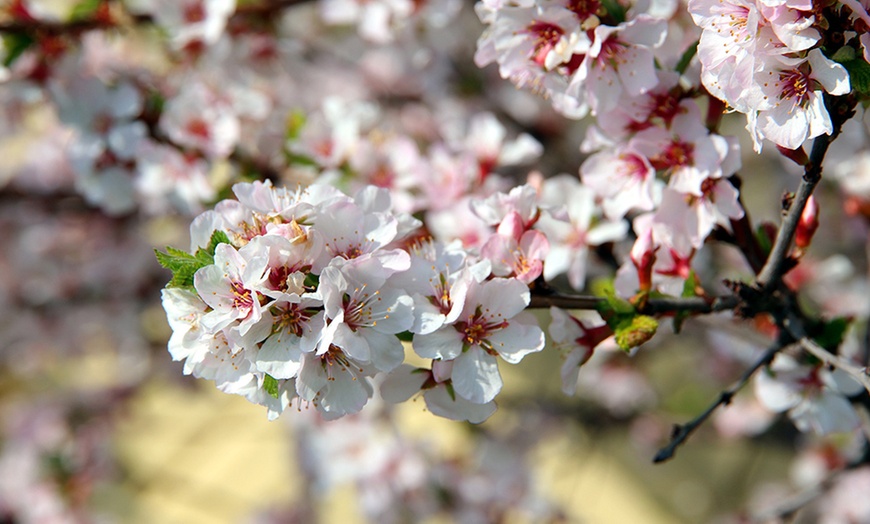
[(84, 9), (844, 54), (405, 336), (634, 332), (270, 386), (689, 287), (311, 281), (295, 123), (15, 45), (832, 333), (688, 54), (450, 391), (184, 265), (615, 10), (217, 237), (859, 75)]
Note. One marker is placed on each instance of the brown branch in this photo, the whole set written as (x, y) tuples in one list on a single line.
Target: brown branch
[(841, 110), (682, 432), (653, 305)]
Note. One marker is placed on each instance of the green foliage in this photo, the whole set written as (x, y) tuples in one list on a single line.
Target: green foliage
[(859, 75), (270, 386), (630, 328), (84, 9), (405, 336), (184, 265), (689, 287), (615, 10), (15, 45), (832, 332), (686, 59), (634, 332)]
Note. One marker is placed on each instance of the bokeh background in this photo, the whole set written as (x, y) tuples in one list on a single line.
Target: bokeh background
[(98, 424)]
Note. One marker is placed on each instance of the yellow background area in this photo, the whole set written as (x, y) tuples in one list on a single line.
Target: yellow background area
[(197, 456)]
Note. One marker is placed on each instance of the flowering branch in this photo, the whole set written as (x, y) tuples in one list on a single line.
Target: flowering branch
[(652, 306), (682, 432), (776, 266), (858, 373)]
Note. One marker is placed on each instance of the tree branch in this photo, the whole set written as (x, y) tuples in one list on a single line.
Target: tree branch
[(682, 432), (652, 306), (858, 373), (774, 268)]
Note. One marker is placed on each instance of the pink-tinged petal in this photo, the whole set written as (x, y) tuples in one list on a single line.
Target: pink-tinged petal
[(779, 391), (535, 245), (280, 356), (440, 403), (353, 344), (819, 119), (569, 371), (476, 377), (558, 261), (345, 394), (521, 337), (446, 343), (638, 73), (607, 231), (428, 316), (646, 31), (500, 298), (826, 413), (312, 378), (512, 226), (833, 76), (387, 350), (403, 383)]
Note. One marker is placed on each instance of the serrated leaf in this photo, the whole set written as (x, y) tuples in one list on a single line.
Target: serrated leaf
[(183, 265), (270, 386), (217, 237)]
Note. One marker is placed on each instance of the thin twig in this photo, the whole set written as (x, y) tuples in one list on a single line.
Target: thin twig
[(858, 373), (773, 269), (652, 306), (682, 432)]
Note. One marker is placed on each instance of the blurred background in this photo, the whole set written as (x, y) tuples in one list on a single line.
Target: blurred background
[(98, 424)]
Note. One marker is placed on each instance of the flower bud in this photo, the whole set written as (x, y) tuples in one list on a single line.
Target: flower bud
[(808, 224)]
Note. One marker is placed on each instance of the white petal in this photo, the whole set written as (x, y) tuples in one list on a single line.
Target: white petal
[(476, 377)]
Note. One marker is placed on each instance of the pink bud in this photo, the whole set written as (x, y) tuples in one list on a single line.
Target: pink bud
[(643, 255), (808, 224)]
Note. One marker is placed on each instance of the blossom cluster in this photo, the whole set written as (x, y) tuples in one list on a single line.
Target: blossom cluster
[(307, 294)]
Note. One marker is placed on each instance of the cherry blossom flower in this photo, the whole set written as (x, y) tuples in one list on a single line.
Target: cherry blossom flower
[(794, 91), (813, 396), (192, 23), (363, 314), (575, 340), (619, 60), (438, 393), (491, 325), (570, 238), (227, 287)]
